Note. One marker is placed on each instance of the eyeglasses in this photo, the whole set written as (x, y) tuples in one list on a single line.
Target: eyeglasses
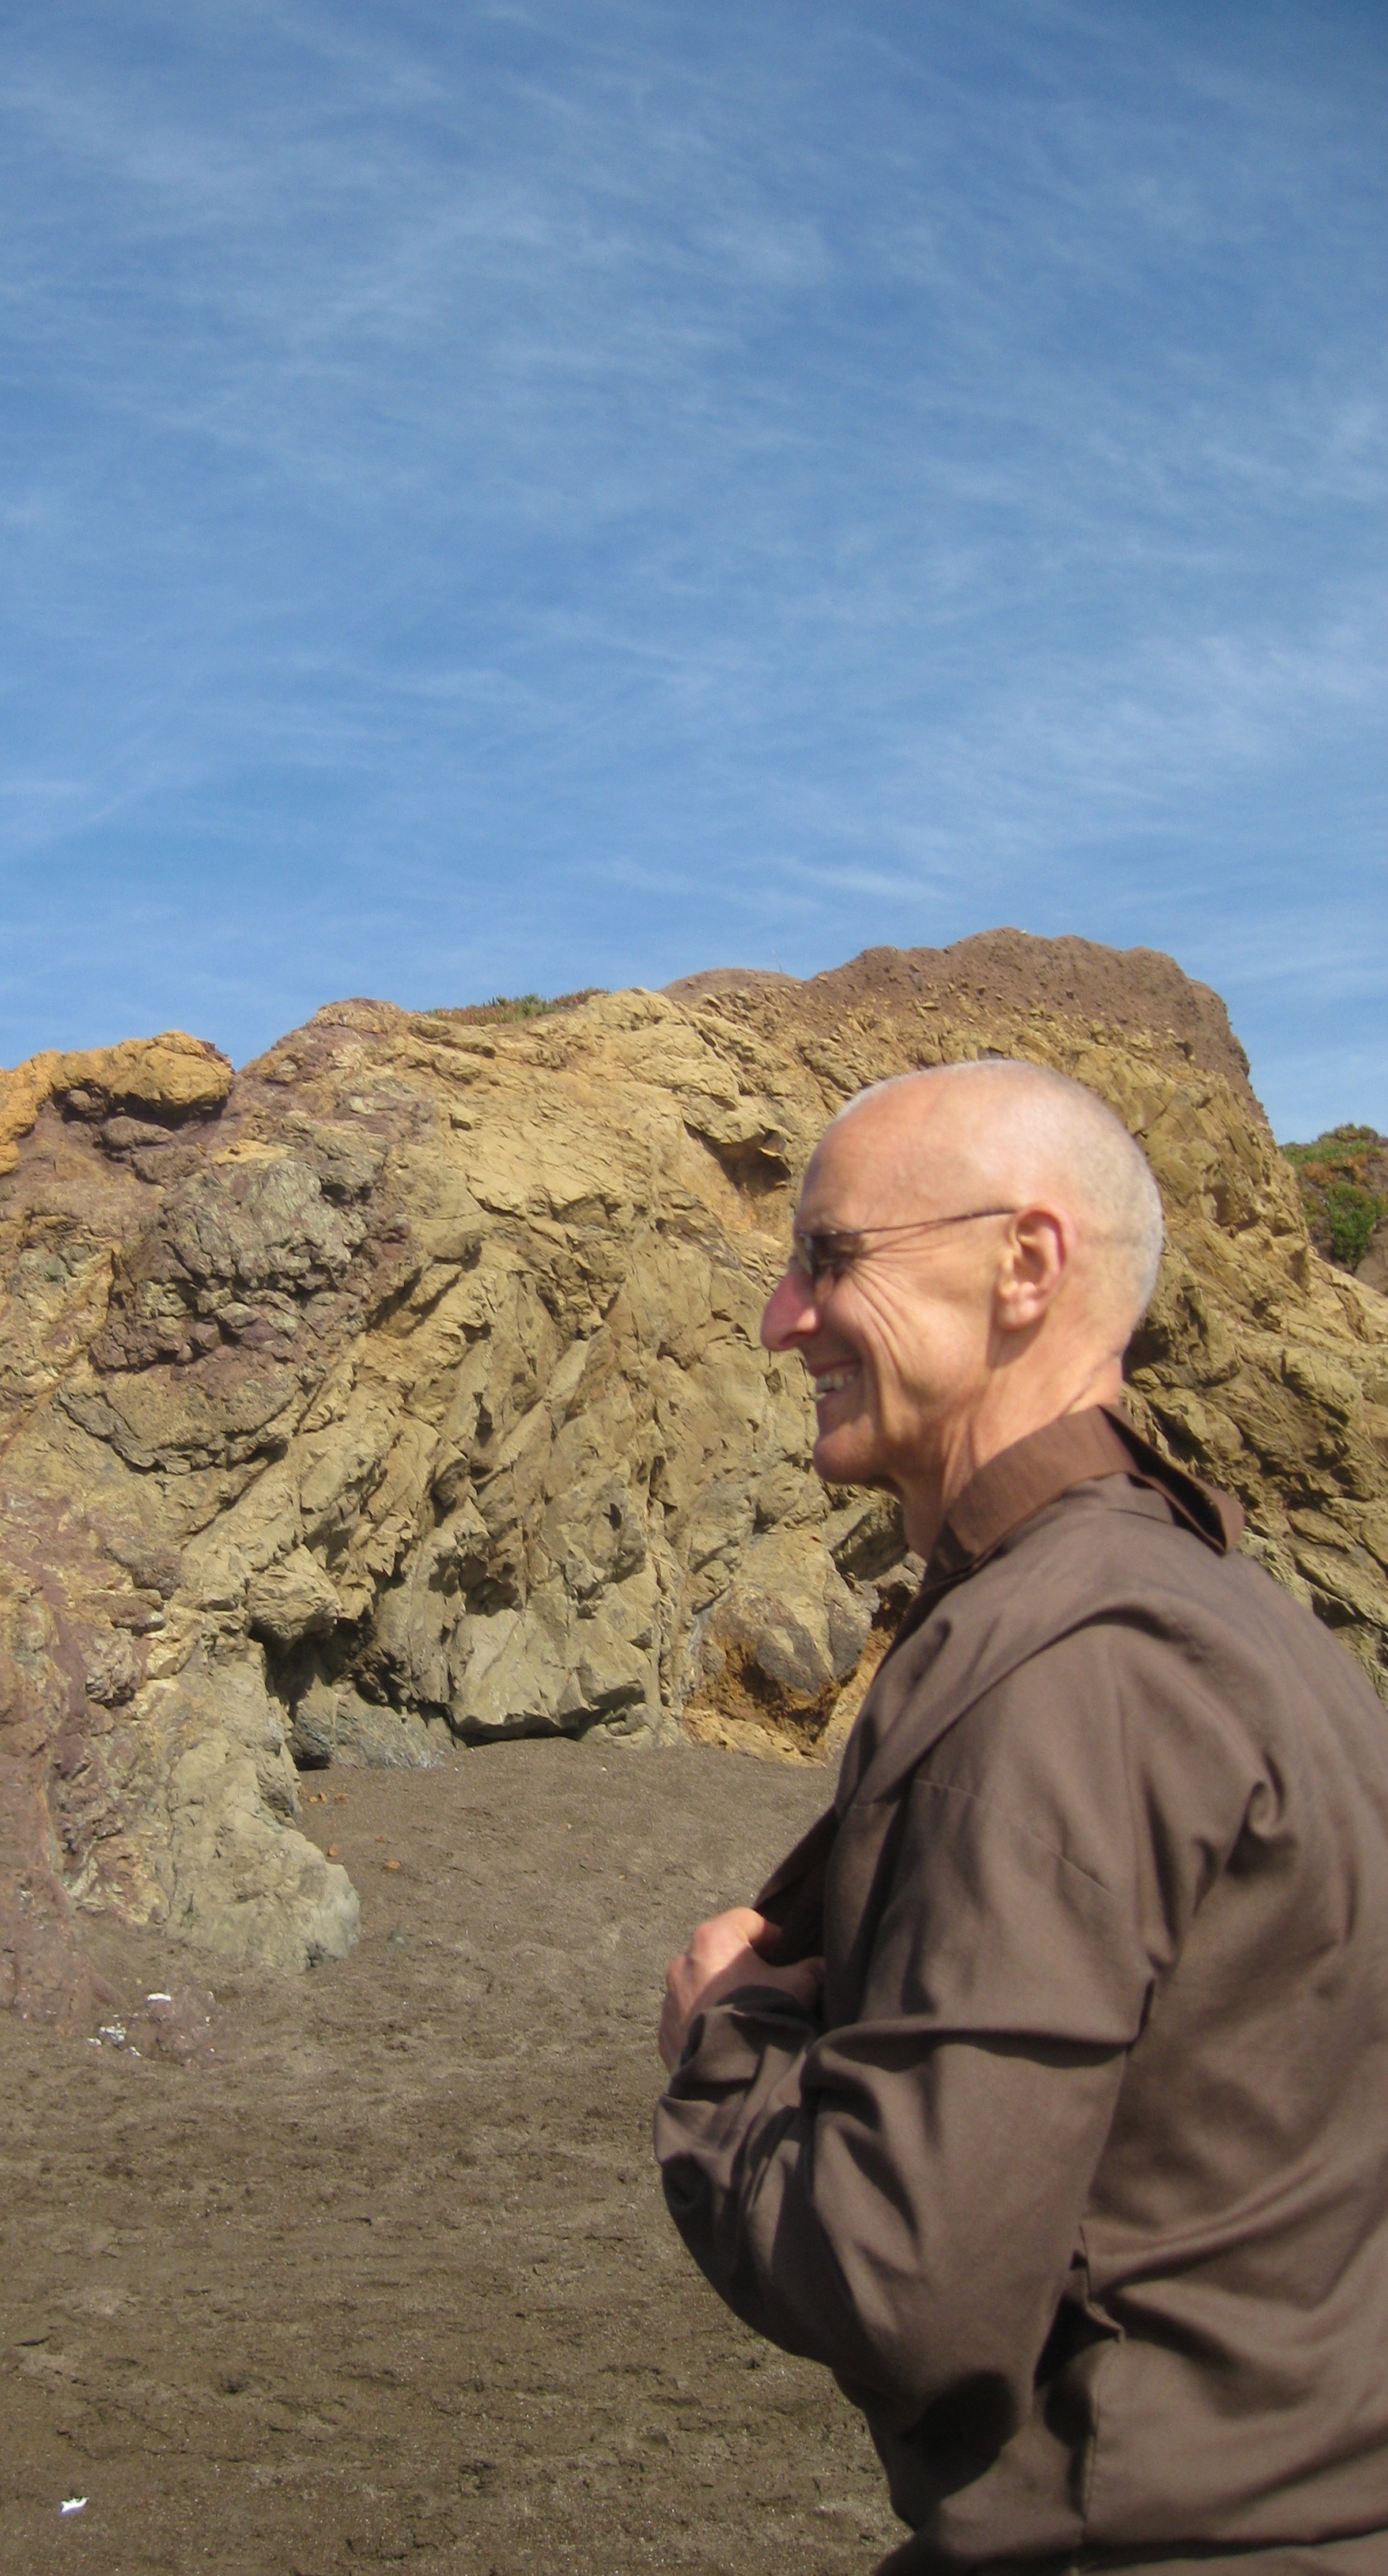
[(826, 1256)]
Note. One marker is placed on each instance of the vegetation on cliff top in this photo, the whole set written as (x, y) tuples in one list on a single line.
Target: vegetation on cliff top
[(518, 1006), (1344, 1189)]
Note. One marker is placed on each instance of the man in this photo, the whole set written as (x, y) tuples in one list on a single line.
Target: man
[(1044, 2095)]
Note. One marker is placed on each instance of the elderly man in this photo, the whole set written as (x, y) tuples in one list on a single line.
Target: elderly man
[(1044, 2094)]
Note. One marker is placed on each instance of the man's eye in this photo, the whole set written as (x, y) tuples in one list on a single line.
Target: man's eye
[(816, 1260)]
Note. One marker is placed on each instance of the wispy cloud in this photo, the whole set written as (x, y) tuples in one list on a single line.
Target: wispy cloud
[(538, 496)]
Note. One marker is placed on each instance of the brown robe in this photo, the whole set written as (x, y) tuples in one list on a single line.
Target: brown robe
[(1079, 2182)]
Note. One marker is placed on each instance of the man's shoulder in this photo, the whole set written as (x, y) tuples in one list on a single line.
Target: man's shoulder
[(1112, 1548), (1107, 1551), (1103, 1596)]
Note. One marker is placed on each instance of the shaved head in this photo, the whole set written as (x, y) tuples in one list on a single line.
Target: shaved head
[(972, 1248), (1003, 1133)]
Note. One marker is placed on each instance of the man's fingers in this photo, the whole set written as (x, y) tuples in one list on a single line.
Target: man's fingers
[(728, 1951), (688, 1990), (724, 1936)]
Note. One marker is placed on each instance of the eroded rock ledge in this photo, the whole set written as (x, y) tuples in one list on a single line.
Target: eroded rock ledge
[(407, 1386)]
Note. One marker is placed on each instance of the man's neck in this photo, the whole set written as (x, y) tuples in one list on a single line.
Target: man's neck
[(1004, 1414)]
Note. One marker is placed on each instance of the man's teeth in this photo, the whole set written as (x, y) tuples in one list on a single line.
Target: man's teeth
[(833, 1379)]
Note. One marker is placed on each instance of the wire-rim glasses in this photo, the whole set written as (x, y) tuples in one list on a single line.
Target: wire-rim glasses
[(818, 1256)]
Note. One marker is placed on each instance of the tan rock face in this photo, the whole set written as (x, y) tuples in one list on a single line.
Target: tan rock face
[(162, 1078), (410, 1385)]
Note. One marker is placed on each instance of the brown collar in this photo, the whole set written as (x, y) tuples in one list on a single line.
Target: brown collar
[(1022, 1480)]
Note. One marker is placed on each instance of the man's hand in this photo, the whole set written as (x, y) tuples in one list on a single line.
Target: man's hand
[(724, 1954)]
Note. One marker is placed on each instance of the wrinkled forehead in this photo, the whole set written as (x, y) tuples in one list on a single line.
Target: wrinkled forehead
[(899, 1154)]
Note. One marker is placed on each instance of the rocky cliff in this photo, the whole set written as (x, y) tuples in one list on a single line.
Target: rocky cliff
[(407, 1386)]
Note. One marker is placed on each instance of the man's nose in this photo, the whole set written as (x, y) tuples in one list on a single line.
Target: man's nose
[(790, 1313)]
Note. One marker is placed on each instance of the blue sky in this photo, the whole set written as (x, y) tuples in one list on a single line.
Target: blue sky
[(522, 496)]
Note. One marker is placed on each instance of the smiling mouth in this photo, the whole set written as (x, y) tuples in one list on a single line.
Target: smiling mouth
[(830, 1380)]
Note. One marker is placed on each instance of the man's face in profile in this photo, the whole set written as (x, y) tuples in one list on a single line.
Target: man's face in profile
[(891, 1325)]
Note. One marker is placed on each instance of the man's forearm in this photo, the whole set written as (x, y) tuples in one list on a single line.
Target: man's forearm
[(901, 2209)]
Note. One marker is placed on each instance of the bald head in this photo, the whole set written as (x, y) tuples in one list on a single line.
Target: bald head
[(1005, 1134), (973, 1246)]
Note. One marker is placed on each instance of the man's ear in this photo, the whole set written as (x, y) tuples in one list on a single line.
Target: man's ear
[(1037, 1253)]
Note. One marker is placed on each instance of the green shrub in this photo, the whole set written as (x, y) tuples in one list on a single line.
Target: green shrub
[(1344, 1189), (1353, 1214), (516, 1006)]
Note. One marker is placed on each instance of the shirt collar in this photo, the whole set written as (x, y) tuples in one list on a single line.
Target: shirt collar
[(1020, 1481)]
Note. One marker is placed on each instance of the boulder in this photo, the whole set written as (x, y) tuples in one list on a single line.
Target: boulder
[(291, 1601), (237, 1879), (338, 1725), (770, 1657)]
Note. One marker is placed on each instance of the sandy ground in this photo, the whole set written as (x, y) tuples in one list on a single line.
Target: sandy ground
[(392, 2281)]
